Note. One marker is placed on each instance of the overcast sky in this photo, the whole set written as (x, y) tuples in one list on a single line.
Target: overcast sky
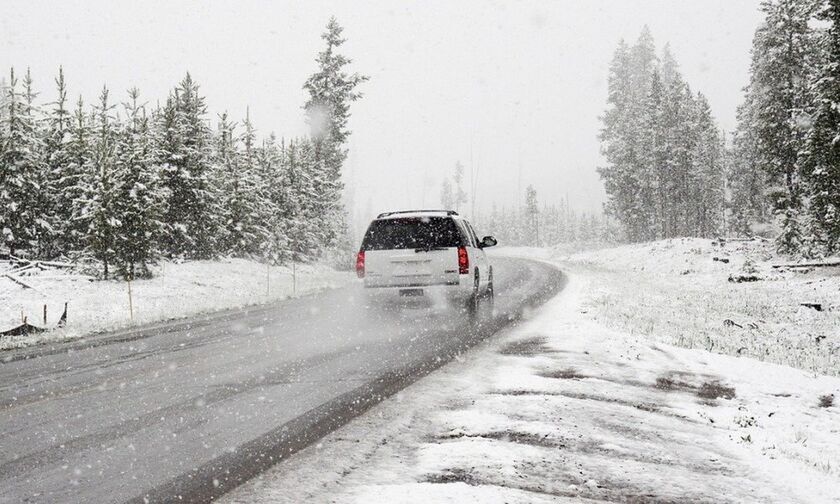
[(512, 89)]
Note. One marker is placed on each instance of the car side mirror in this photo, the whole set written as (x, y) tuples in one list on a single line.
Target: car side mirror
[(488, 241)]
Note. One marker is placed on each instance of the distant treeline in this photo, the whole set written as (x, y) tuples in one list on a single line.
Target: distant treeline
[(530, 223), (540, 225), (125, 185), (669, 171)]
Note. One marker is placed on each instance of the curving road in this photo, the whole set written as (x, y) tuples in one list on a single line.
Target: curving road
[(188, 410)]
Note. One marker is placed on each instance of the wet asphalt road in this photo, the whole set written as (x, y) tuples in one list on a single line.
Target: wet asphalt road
[(186, 411)]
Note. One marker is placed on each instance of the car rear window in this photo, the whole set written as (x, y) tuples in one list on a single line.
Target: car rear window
[(412, 233)]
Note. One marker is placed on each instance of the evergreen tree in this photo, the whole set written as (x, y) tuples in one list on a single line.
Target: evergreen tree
[(643, 64), (331, 90), (532, 213), (655, 157), (243, 229), (460, 197), (681, 140), (193, 205), (747, 181), (822, 163), (139, 200), (303, 233), (20, 164), (59, 180), (4, 97), (100, 186), (269, 162), (709, 172), (447, 196), (620, 184), (627, 177), (75, 181), (782, 59)]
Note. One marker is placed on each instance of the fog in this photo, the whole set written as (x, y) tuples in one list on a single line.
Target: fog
[(511, 89)]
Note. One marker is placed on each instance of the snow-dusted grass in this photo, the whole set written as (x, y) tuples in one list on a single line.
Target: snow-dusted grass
[(564, 409), (674, 291), (177, 290)]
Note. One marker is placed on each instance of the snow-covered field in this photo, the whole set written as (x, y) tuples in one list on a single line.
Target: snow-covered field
[(177, 290), (675, 291), (574, 406)]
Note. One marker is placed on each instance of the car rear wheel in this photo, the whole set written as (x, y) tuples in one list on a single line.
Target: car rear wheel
[(490, 293), (474, 299)]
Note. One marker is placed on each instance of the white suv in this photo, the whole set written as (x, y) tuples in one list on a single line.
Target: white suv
[(429, 253)]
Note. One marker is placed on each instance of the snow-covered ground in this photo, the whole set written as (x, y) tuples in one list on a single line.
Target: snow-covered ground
[(177, 290), (573, 406), (679, 292)]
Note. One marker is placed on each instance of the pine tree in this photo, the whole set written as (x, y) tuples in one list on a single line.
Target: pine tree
[(139, 201), (331, 90), (99, 187), (747, 181), (627, 178), (447, 196), (226, 167), (708, 168), (822, 161), (4, 97), (682, 143), (460, 197), (243, 229), (643, 64), (303, 229), (75, 181), (269, 162), (617, 137), (782, 59), (20, 164), (193, 204), (655, 157), (532, 213), (676, 133), (59, 179), (614, 148)]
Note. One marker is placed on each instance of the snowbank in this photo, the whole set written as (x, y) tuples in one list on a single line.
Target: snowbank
[(177, 290)]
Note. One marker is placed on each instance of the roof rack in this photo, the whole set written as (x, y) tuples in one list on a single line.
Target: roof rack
[(386, 214)]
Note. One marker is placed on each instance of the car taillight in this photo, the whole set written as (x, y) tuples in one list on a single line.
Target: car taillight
[(463, 261), (360, 264)]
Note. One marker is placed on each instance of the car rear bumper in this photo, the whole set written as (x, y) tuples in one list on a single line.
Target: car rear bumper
[(410, 292)]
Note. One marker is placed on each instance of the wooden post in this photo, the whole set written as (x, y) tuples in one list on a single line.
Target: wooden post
[(130, 301), (45, 315), (63, 320)]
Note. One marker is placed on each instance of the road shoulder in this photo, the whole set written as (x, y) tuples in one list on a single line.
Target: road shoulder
[(561, 408)]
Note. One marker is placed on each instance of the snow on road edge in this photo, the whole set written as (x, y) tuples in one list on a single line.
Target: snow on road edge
[(562, 408)]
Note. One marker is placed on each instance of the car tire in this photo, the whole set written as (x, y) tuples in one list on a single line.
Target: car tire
[(474, 300), (490, 293)]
